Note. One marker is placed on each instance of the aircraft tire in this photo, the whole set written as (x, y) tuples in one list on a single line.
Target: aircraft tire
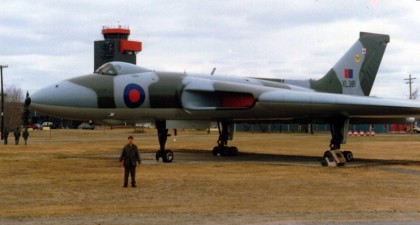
[(158, 155), (227, 151), (168, 156), (216, 151), (348, 155), (234, 151), (328, 154)]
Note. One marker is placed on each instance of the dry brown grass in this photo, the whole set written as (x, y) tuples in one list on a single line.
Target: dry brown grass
[(72, 177)]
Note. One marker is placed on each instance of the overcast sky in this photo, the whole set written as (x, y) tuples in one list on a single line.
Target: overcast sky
[(47, 41)]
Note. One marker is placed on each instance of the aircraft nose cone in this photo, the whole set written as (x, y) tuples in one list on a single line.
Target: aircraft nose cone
[(63, 94)]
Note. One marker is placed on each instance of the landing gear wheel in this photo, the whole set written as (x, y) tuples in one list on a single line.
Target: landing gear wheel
[(168, 156), (328, 155), (225, 151), (217, 151), (348, 155), (157, 155), (234, 151)]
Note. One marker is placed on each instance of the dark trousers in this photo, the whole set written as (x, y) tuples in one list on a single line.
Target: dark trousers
[(130, 170)]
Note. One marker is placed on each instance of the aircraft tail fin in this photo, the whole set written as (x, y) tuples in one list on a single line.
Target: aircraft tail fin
[(355, 72)]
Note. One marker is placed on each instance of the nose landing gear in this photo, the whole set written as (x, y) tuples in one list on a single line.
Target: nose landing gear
[(166, 155)]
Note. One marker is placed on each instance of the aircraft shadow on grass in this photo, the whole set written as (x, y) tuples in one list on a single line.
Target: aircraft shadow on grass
[(288, 159)]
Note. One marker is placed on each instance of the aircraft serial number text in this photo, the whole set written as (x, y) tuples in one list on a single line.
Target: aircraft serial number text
[(349, 83)]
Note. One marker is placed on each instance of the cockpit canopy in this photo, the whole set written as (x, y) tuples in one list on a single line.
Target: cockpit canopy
[(120, 68)]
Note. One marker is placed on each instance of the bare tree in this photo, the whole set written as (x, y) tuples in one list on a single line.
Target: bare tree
[(13, 107), (14, 94)]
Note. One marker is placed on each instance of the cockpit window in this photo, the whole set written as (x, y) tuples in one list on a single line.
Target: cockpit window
[(120, 68), (106, 69)]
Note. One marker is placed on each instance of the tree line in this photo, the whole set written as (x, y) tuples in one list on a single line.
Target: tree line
[(13, 107)]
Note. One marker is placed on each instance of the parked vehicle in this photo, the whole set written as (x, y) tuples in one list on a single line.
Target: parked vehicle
[(47, 124), (86, 126), (34, 126)]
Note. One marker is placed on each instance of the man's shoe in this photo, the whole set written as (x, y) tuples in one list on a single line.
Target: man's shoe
[(133, 186), (124, 186)]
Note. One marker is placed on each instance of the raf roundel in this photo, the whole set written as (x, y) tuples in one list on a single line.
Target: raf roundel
[(134, 96)]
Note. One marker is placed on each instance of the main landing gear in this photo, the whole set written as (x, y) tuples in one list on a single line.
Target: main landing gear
[(225, 134), (339, 127), (166, 155)]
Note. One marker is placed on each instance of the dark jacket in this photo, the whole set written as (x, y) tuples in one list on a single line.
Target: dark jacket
[(17, 133), (130, 156), (25, 134)]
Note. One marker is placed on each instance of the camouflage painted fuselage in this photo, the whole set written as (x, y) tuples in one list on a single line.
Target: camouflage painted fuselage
[(125, 92)]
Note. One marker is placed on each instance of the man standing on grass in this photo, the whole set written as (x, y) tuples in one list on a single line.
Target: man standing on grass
[(17, 135), (129, 158), (25, 135), (5, 135)]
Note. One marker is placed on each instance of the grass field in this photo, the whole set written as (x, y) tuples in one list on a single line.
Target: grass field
[(72, 177)]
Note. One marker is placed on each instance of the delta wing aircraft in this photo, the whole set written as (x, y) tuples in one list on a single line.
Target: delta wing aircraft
[(120, 91)]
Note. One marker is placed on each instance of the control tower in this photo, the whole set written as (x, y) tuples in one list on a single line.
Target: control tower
[(115, 46)]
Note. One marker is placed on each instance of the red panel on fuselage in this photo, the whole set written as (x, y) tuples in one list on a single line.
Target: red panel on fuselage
[(236, 100)]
